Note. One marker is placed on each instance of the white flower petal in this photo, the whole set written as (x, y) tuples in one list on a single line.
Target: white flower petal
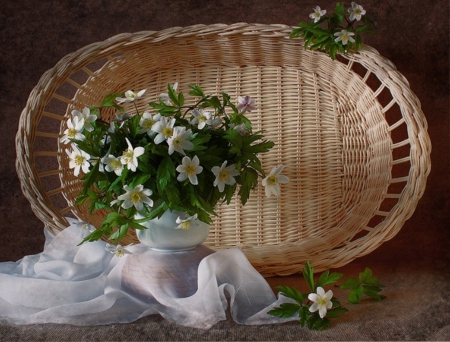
[(322, 311), (314, 307)]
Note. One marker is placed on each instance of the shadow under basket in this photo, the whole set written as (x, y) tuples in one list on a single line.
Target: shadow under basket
[(350, 132)]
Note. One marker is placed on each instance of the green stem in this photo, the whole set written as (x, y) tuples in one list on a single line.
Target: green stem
[(189, 108), (135, 106)]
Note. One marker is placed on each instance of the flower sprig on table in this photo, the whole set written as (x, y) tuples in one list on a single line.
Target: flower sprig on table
[(338, 32), (184, 157), (315, 308)]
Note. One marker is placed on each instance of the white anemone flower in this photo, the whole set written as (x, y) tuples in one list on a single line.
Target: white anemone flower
[(189, 169), (322, 301), (112, 127), (165, 97), (87, 116), (273, 180), (74, 128), (136, 197), (224, 175), (131, 96), (121, 117), (178, 141), (164, 129), (129, 156), (317, 14), (118, 250), (241, 129), (201, 118), (86, 226), (147, 121), (245, 104), (78, 160), (356, 11), (216, 122), (187, 223), (344, 36), (113, 164)]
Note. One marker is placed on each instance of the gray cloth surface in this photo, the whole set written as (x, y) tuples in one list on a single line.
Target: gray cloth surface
[(414, 265)]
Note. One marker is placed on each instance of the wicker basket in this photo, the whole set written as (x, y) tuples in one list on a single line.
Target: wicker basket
[(350, 132)]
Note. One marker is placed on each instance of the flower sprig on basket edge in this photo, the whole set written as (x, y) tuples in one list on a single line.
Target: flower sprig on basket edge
[(337, 32), (186, 158), (315, 309)]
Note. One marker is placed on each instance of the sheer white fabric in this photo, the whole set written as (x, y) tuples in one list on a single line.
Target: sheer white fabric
[(86, 285)]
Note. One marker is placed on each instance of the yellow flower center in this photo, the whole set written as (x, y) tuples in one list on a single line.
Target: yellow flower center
[(190, 170), (201, 118), (72, 132), (322, 301), (128, 155), (135, 197), (357, 11), (177, 142), (167, 131), (119, 253), (186, 225), (148, 123), (272, 180), (115, 164), (224, 175), (79, 159)]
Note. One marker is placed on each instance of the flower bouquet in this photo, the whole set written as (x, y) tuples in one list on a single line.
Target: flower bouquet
[(184, 157)]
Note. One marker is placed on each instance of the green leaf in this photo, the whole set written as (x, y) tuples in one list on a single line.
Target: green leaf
[(113, 217), (120, 233), (94, 236), (81, 199), (234, 138), (304, 315), (326, 278), (172, 95), (291, 292), (308, 274), (180, 99), (333, 51), (339, 8), (371, 293), (367, 274), (165, 172), (335, 313), (322, 324), (156, 211), (349, 284), (196, 91), (317, 323), (249, 179), (304, 25), (367, 19), (355, 295), (92, 176), (358, 42), (285, 310), (140, 179)]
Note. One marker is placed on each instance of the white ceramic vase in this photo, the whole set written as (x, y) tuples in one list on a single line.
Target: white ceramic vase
[(162, 235)]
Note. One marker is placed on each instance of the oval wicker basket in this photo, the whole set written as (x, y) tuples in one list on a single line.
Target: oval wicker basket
[(350, 132)]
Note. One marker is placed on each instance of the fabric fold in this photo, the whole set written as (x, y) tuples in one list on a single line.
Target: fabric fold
[(86, 285)]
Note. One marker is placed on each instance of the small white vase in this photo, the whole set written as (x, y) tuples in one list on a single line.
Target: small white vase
[(162, 235)]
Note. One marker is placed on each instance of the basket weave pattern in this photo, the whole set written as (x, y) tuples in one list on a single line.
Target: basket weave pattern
[(350, 133)]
